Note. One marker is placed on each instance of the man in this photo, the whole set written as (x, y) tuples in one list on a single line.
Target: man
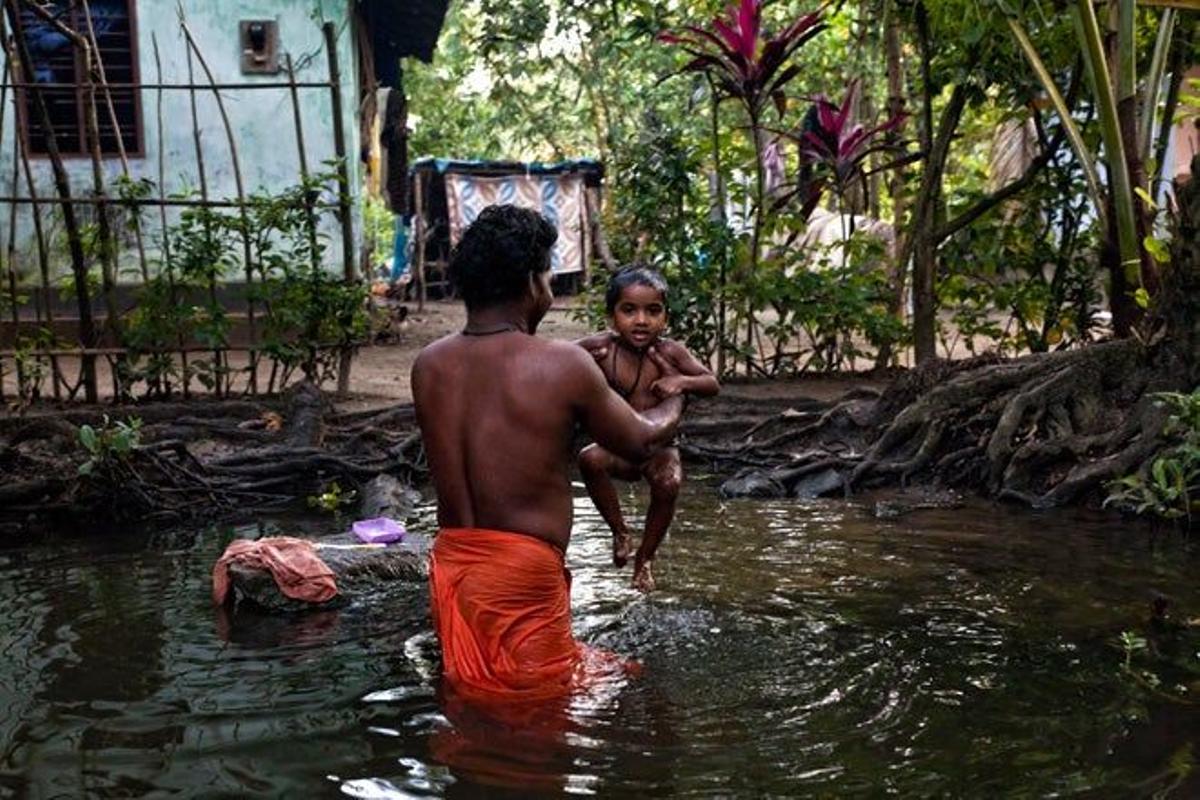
[(497, 408)]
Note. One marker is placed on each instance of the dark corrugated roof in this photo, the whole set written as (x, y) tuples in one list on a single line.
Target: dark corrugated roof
[(402, 29)]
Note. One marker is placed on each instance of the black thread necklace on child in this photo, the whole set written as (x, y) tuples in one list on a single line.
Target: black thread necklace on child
[(626, 394)]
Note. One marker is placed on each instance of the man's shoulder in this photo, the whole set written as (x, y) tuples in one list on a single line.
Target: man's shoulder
[(431, 353), (561, 351)]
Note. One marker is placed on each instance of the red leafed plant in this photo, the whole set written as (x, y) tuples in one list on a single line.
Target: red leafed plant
[(828, 139), (743, 61)]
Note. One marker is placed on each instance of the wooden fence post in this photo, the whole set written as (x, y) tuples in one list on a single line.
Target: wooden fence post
[(62, 182), (343, 173)]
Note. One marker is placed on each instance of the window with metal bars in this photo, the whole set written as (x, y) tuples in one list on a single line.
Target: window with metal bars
[(58, 63)]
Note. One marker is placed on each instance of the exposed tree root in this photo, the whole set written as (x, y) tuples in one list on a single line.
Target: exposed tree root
[(1046, 429), (204, 460)]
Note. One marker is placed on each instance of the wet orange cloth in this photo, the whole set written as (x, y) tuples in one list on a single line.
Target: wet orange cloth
[(501, 606), (298, 571)]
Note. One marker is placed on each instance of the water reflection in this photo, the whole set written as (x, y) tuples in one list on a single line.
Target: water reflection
[(793, 648)]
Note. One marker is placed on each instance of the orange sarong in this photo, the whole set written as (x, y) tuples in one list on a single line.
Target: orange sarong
[(501, 607)]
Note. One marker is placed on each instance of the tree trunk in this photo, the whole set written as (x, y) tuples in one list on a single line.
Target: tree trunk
[(1180, 299), (894, 61), (923, 241)]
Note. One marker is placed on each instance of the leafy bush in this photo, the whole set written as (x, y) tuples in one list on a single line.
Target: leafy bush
[(1022, 278), (1171, 486), (110, 443), (306, 314)]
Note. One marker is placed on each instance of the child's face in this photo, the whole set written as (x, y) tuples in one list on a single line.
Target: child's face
[(640, 315)]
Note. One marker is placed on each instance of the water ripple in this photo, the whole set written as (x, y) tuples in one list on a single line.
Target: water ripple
[(792, 648)]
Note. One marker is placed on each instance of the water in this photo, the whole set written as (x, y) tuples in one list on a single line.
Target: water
[(792, 649)]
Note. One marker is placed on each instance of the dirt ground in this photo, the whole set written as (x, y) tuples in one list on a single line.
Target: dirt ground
[(380, 372)]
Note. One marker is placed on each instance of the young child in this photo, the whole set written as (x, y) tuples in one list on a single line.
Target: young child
[(636, 301)]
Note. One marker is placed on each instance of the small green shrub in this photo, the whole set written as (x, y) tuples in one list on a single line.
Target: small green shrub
[(1170, 488), (111, 443)]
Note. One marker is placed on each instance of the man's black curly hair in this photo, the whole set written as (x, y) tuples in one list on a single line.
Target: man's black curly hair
[(498, 252)]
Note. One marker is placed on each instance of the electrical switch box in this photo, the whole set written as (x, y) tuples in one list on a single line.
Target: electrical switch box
[(259, 40)]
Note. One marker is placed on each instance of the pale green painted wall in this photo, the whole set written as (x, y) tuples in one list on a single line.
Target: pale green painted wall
[(261, 119)]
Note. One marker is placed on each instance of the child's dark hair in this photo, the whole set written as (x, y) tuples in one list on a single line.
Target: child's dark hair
[(633, 275), (498, 252)]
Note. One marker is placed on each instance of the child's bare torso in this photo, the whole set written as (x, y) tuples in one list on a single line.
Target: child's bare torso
[(631, 374)]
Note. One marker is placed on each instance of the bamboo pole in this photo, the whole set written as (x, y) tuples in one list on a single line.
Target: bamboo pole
[(108, 266), (43, 257), (63, 186), (162, 208), (12, 286), (344, 211), (310, 218), (121, 153), (10, 266), (241, 196), (419, 236), (339, 143), (172, 287), (46, 311), (212, 287)]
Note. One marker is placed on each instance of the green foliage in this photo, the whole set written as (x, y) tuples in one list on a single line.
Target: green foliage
[(32, 369), (826, 308), (378, 232), (112, 442), (306, 313), (1189, 100), (1131, 643), (1170, 488), (310, 313), (539, 81), (1022, 277), (333, 499)]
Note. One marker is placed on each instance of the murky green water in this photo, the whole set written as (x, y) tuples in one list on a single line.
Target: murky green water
[(792, 650)]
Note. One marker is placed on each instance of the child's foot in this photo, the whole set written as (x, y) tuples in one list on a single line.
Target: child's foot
[(643, 578), (622, 548)]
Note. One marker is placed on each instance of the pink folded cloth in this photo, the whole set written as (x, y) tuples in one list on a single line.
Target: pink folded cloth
[(298, 571)]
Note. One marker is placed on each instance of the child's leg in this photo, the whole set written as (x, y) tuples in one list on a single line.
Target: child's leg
[(597, 465), (664, 473)]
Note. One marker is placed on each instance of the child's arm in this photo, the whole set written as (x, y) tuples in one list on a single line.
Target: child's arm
[(693, 378)]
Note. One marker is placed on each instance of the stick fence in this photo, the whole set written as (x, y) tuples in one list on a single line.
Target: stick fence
[(23, 368)]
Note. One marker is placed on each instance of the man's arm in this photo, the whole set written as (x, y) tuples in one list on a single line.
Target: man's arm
[(691, 377), (612, 422)]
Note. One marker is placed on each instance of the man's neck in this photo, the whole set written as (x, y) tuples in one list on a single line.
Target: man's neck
[(496, 318)]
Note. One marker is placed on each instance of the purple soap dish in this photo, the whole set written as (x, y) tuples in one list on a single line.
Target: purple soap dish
[(379, 530)]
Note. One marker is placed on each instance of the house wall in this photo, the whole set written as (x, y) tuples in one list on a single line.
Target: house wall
[(262, 119)]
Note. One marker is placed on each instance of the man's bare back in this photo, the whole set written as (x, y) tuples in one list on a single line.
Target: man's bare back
[(498, 413)]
